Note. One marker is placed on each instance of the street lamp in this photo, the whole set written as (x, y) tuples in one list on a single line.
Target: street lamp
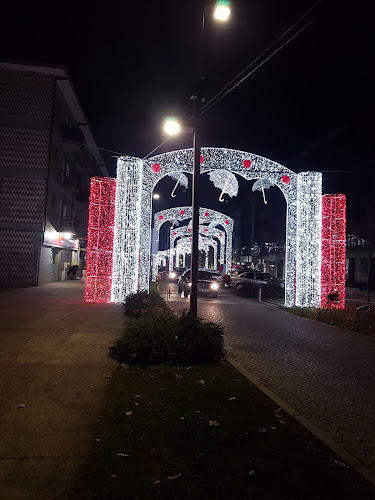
[(172, 127), (222, 10)]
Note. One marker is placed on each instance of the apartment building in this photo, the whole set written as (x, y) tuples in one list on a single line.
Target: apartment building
[(47, 158)]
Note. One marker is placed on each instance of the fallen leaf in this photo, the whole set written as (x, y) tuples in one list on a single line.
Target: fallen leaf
[(22, 405), (252, 472), (97, 440), (235, 379), (214, 423), (282, 421), (109, 376), (128, 413), (202, 381), (157, 481), (137, 396), (174, 477), (182, 418), (114, 475), (342, 464), (188, 367), (273, 427), (232, 398), (81, 394), (262, 431), (178, 376), (152, 376), (136, 404), (122, 455)]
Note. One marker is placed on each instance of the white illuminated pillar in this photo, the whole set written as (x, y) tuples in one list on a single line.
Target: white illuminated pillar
[(308, 244), (126, 251)]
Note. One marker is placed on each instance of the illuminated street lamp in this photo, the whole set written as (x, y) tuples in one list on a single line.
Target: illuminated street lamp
[(222, 10), (172, 127)]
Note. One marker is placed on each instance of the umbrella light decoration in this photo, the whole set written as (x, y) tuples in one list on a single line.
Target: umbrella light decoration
[(226, 181), (261, 185), (181, 179)]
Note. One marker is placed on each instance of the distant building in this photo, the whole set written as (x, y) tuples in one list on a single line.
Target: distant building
[(45, 171)]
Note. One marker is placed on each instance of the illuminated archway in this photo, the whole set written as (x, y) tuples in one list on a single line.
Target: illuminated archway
[(137, 178)]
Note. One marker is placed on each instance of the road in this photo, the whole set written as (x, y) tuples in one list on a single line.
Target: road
[(325, 372)]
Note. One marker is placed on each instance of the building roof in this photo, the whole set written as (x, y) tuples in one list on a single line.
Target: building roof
[(65, 85)]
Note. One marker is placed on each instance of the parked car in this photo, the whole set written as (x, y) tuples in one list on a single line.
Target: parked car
[(207, 284), (174, 275), (257, 279)]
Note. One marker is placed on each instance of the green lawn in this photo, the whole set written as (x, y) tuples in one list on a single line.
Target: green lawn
[(205, 432)]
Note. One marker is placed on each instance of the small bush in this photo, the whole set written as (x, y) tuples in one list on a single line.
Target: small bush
[(141, 303), (164, 337)]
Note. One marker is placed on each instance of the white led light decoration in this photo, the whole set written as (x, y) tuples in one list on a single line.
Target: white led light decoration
[(204, 243), (207, 231), (206, 216), (183, 247), (136, 180)]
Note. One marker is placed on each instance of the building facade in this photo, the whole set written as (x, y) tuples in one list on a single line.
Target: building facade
[(47, 158)]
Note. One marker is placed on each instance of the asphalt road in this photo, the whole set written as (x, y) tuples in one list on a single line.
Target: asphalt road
[(325, 372)]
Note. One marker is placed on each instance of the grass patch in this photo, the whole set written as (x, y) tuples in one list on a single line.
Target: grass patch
[(206, 432)]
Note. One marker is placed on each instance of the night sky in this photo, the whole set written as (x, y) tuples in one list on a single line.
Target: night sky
[(310, 107)]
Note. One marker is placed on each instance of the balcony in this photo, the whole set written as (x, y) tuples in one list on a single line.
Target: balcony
[(73, 135)]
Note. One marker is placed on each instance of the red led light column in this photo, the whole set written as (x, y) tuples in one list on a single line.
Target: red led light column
[(100, 236), (333, 250)]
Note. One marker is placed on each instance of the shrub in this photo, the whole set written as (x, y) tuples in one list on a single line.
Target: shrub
[(164, 337), (141, 303)]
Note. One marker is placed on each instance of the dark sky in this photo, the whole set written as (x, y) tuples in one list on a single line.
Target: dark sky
[(311, 107)]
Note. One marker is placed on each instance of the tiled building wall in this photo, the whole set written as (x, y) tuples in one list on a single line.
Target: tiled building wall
[(26, 101)]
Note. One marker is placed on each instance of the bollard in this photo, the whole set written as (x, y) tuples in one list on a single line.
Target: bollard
[(169, 292), (259, 295)]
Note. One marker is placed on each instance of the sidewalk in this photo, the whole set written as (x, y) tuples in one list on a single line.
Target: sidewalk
[(54, 370)]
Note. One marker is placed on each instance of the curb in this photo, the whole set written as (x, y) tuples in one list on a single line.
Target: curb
[(367, 473)]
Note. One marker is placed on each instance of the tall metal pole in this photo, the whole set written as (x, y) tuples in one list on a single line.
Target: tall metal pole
[(195, 208)]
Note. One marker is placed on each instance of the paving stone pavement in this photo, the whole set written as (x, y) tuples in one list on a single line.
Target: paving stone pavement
[(324, 372), (54, 371)]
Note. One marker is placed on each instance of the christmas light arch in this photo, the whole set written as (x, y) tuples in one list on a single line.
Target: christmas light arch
[(204, 243), (206, 216), (212, 232), (137, 178)]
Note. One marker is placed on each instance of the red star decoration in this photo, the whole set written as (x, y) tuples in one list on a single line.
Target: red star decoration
[(247, 163), (189, 229), (226, 221), (201, 159), (182, 212), (285, 179), (156, 167), (161, 217), (174, 234), (206, 229), (206, 214)]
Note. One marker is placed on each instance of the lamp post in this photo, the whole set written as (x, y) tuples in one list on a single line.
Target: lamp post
[(172, 127)]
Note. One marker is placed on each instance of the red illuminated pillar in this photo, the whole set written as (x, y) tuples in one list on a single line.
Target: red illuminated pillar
[(100, 236), (333, 249)]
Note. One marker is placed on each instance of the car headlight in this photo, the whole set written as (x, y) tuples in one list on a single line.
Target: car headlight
[(172, 275), (214, 286)]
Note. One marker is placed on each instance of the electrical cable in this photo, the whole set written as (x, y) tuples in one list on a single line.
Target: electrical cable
[(206, 107), (264, 52)]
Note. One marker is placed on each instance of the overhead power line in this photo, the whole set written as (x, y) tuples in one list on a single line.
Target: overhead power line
[(216, 98)]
